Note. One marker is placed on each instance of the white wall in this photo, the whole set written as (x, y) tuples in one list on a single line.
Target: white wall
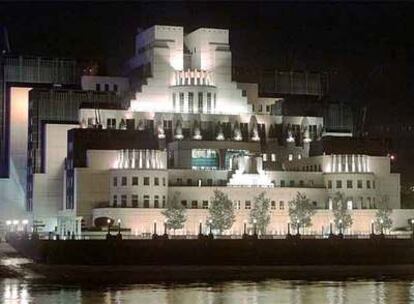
[(48, 187)]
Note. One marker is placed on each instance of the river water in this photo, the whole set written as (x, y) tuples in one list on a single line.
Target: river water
[(236, 292)]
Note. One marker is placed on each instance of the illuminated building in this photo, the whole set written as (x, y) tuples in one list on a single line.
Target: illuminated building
[(190, 129)]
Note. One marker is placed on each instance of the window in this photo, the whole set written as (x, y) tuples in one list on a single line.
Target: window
[(339, 184), (273, 157), (359, 184), (163, 181), (156, 201), (146, 201), (282, 183), (181, 102), (179, 181), (156, 181), (194, 204), (264, 157), (236, 205), (290, 157), (106, 87), (174, 102), (244, 93), (299, 156), (123, 200), (123, 181), (191, 102), (260, 108), (200, 102), (115, 182), (282, 205), (209, 182), (163, 201), (268, 109), (368, 184), (146, 181), (273, 205), (301, 183), (184, 203), (189, 182), (292, 183), (111, 123), (134, 180), (115, 200), (115, 88), (247, 205), (208, 102), (373, 184), (369, 202), (329, 184), (349, 184), (205, 204), (134, 200), (214, 102), (98, 86)]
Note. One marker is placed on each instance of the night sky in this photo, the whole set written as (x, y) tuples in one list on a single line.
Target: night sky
[(366, 47)]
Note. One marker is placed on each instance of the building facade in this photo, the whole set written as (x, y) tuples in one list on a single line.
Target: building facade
[(189, 130)]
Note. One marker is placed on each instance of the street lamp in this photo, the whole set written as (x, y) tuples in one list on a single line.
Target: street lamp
[(119, 226), (108, 221), (297, 227), (210, 222), (16, 225)]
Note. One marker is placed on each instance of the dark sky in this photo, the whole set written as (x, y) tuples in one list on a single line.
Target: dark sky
[(367, 47)]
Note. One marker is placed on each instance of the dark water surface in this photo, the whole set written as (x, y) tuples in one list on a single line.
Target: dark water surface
[(14, 291)]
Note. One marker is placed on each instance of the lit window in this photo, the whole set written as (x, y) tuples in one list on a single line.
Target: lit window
[(290, 157), (299, 156), (264, 157), (273, 157)]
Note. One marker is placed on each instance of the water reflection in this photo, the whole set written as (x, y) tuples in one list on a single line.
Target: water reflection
[(294, 292)]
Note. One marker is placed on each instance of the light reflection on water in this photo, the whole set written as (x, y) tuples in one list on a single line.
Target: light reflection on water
[(272, 291)]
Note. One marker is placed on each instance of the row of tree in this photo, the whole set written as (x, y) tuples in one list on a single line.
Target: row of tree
[(301, 210)]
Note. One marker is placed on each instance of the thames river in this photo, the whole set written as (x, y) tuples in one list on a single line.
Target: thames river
[(235, 292)]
